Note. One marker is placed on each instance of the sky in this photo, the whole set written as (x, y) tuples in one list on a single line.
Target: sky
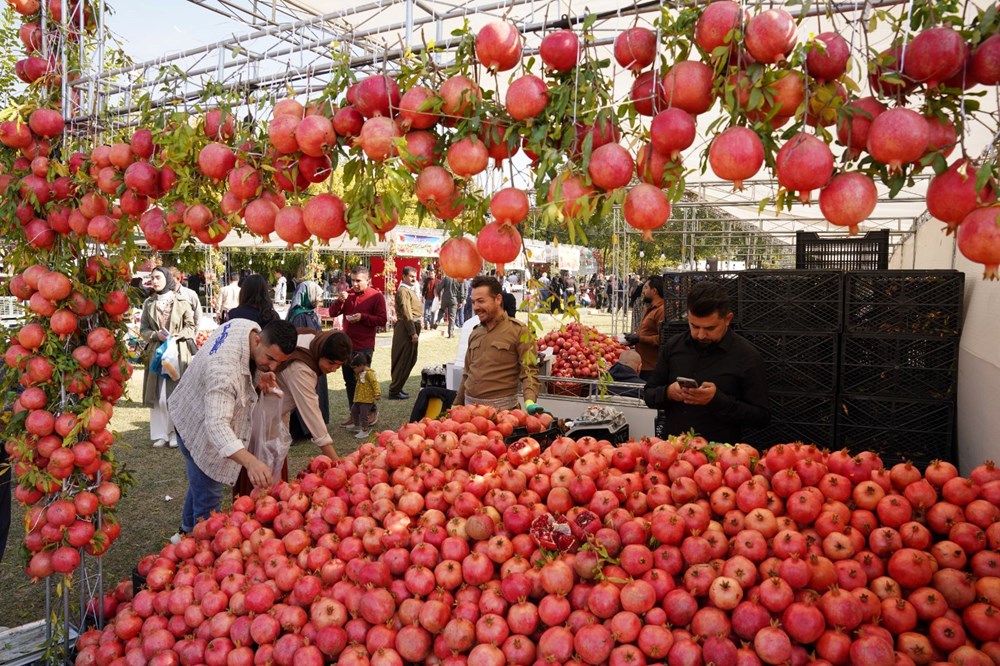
[(150, 30)]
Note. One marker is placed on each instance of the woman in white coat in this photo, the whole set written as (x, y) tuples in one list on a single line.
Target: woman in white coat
[(164, 315)]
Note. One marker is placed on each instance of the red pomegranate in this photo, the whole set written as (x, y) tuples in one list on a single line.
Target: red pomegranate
[(216, 160), (716, 24), (635, 48), (288, 107), (827, 56), (421, 150), (560, 50), (376, 96), (378, 138), (468, 157), (656, 168), (688, 86), (642, 94), (672, 131), (803, 164), (499, 146), (498, 46), (281, 134), (415, 108), (984, 65), (941, 137), (459, 258), (646, 208), (736, 154), (788, 93), (259, 217), (898, 136), (314, 134), (571, 194), (885, 74), (289, 226), (825, 102), (323, 216), (434, 185), (611, 166), (347, 122), (979, 239), (935, 55), (855, 122), (219, 125), (770, 36), (510, 205), (459, 94), (526, 97), (499, 243), (952, 195), (46, 122), (143, 178), (848, 200)]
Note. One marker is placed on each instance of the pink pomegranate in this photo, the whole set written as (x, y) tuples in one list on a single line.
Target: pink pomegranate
[(655, 168), (716, 24), (855, 122), (323, 216), (788, 93), (935, 55), (803, 164), (415, 108), (942, 136), (434, 185), (898, 136), (952, 195), (460, 259), (560, 50), (216, 160), (498, 46), (421, 150), (378, 138), (979, 239), (526, 97), (46, 122), (770, 36), (886, 67), (347, 122), (281, 134), (289, 226), (499, 146), (827, 56), (314, 134), (571, 194), (635, 48), (736, 154), (376, 96), (459, 94), (825, 102), (848, 200), (611, 166), (984, 65), (259, 217), (646, 208), (510, 205), (688, 86), (499, 243), (642, 94), (672, 131), (468, 157)]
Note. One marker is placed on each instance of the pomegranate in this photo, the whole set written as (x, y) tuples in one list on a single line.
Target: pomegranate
[(499, 243), (376, 95), (827, 56), (510, 205), (459, 95), (952, 195), (635, 48), (853, 127), (378, 138), (672, 131), (898, 136), (716, 24), (984, 64), (611, 166), (736, 154), (646, 208), (848, 200), (979, 239), (460, 259), (415, 108), (324, 216), (803, 164), (935, 55), (571, 194), (468, 157), (770, 36), (526, 97), (688, 86), (560, 50), (498, 46)]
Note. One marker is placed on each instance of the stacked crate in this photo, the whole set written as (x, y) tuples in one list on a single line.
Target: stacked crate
[(793, 318), (899, 365)]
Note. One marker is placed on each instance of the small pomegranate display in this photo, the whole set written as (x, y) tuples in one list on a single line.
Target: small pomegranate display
[(581, 351)]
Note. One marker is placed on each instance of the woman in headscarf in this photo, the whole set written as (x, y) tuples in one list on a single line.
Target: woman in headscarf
[(306, 299), (316, 355), (164, 315)]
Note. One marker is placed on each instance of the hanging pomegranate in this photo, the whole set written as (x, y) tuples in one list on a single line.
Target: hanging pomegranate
[(498, 46), (979, 239), (855, 122), (688, 86), (827, 56), (510, 205), (526, 97), (569, 192), (459, 258), (611, 166), (736, 154), (716, 24), (499, 243), (415, 108), (803, 164), (646, 208), (635, 48), (952, 195), (898, 136), (672, 131), (848, 200), (376, 96), (770, 36), (323, 216), (560, 50), (935, 55), (289, 226)]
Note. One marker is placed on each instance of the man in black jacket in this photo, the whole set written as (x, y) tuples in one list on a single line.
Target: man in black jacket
[(728, 393)]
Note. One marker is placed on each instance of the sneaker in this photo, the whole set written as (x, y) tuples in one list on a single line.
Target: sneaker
[(176, 539), (362, 434), (172, 443), (159, 444), (351, 427)]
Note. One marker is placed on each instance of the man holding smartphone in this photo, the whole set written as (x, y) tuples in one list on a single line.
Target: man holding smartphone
[(709, 379)]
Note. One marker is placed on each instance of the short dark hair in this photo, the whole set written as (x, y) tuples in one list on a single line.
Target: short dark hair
[(359, 359), (655, 283), (487, 281), (282, 333), (407, 270), (357, 270), (337, 348), (234, 276), (509, 304), (708, 297)]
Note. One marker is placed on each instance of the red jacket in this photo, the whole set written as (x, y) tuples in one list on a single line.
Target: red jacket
[(370, 304)]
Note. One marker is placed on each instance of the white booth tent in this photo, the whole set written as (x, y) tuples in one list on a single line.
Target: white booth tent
[(285, 45)]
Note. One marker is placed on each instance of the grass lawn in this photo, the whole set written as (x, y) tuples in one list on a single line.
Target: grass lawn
[(149, 518)]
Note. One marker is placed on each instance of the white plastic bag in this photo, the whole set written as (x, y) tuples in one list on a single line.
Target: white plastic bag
[(269, 438), (170, 362)]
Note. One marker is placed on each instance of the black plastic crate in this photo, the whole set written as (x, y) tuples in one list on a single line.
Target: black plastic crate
[(677, 285), (797, 418), (861, 253), (544, 438), (904, 302), (617, 435), (899, 366), (788, 300), (668, 329), (798, 362), (898, 429)]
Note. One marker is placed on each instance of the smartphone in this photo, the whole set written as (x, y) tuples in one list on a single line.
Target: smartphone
[(687, 382)]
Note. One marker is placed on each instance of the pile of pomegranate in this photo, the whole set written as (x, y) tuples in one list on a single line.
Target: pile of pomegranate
[(440, 545), (580, 351)]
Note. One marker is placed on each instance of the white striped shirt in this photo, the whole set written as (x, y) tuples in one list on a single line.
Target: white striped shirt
[(212, 406)]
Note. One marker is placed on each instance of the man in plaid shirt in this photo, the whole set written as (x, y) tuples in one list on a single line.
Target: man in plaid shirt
[(212, 409)]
